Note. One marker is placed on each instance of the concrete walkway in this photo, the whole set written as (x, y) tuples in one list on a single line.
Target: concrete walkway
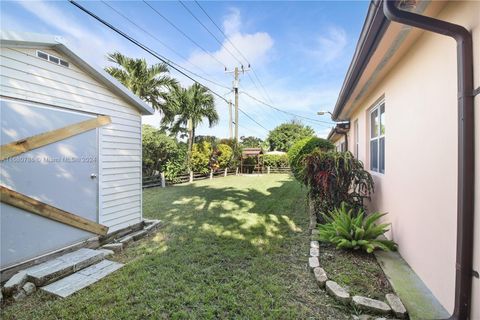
[(417, 298)]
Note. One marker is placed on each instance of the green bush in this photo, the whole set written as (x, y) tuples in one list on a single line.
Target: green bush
[(236, 151), (275, 160), (177, 165), (303, 147), (200, 158), (335, 177), (159, 151), (354, 230), (224, 155)]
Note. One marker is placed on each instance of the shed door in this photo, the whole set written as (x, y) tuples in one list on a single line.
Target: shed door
[(62, 174)]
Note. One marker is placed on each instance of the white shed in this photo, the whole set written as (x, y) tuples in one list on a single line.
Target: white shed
[(71, 150)]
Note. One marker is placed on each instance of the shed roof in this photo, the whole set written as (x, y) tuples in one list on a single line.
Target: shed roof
[(24, 39), (251, 151)]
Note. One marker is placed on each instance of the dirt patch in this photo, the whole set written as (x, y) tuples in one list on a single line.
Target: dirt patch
[(356, 271)]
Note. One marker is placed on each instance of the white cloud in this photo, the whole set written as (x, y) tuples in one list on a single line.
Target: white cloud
[(55, 18), (232, 22), (254, 47), (91, 43), (329, 46)]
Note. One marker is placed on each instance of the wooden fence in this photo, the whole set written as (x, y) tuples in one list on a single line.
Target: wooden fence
[(279, 170), (160, 180)]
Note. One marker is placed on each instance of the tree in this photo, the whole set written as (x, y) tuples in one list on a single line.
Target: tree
[(149, 83), (285, 135), (157, 150), (251, 142), (211, 139), (187, 109)]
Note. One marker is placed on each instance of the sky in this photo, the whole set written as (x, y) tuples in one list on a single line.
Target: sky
[(299, 52)]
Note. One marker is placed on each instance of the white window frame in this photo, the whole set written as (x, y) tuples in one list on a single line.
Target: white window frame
[(357, 139), (60, 61), (378, 137)]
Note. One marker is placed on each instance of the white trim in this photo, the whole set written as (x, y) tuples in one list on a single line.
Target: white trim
[(378, 137), (141, 170), (100, 174), (24, 39)]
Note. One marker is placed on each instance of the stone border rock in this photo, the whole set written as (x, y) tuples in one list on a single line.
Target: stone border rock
[(392, 306)]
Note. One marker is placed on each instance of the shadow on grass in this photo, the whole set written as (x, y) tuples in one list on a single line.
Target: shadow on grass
[(231, 248), (253, 214)]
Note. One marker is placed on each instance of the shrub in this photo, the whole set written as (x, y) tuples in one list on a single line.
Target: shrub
[(303, 147), (236, 151), (158, 150), (275, 160), (200, 157), (224, 155), (348, 229), (335, 177), (178, 164)]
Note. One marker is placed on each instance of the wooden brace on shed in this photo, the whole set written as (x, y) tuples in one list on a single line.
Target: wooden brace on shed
[(29, 204), (23, 145)]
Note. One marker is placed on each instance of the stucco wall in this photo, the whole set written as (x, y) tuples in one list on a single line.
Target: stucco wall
[(418, 189)]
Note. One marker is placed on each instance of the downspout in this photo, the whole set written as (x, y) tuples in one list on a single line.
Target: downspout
[(346, 140), (466, 147)]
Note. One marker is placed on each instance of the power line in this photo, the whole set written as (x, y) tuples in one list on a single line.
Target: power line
[(249, 117), (233, 45), (219, 42), (286, 112), (155, 54), (208, 30), (183, 33), (142, 46), (220, 29), (166, 46)]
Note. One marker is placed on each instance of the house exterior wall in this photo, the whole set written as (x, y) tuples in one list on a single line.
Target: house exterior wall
[(418, 188), (27, 77)]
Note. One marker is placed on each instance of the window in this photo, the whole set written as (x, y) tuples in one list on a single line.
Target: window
[(64, 63), (377, 138), (53, 59), (343, 147), (357, 138), (42, 55)]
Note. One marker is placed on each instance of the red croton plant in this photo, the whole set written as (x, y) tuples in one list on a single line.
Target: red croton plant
[(335, 177)]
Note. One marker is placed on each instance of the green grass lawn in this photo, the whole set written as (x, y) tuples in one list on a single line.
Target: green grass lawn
[(231, 248)]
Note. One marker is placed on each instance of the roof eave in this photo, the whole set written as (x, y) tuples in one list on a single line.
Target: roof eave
[(373, 30), (58, 43)]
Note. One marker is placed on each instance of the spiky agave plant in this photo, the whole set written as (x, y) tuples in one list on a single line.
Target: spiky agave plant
[(348, 229)]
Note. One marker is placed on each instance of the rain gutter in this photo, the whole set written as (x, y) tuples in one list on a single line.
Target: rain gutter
[(466, 147)]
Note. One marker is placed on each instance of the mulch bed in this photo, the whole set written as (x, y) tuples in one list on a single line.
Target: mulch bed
[(358, 272)]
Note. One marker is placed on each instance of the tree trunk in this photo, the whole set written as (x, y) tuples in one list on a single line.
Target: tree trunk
[(191, 132)]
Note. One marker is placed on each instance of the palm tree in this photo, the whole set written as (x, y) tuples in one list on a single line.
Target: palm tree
[(187, 109), (149, 83)]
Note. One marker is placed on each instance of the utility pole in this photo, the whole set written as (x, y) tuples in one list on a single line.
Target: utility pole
[(236, 74), (235, 88), (230, 128)]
